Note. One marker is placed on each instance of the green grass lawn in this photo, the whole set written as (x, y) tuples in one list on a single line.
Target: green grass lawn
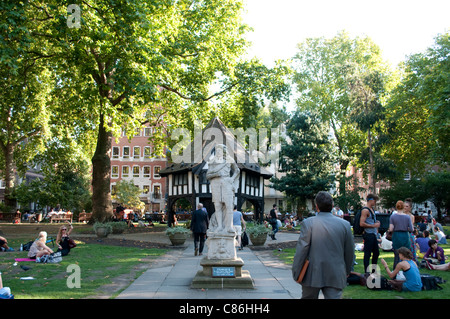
[(98, 265), (360, 292)]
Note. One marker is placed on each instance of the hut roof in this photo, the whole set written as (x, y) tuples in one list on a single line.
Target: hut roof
[(213, 134)]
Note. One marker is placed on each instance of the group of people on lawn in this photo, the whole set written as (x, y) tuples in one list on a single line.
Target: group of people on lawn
[(328, 272)]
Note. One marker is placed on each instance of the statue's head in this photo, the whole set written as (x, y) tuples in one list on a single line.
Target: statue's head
[(220, 151)]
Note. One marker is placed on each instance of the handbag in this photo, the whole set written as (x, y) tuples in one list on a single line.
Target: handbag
[(244, 239), (72, 243)]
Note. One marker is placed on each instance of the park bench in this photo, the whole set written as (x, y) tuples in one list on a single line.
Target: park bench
[(84, 217), (61, 217)]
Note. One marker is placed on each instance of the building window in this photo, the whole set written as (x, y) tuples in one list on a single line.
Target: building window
[(115, 152), (136, 152), (115, 172), (137, 132), (251, 180), (156, 171), (146, 171), (147, 152), (180, 180), (125, 171), (157, 191), (147, 131), (113, 189), (136, 171), (126, 152), (146, 189)]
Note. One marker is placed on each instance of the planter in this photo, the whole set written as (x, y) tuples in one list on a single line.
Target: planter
[(258, 240), (178, 239), (102, 232)]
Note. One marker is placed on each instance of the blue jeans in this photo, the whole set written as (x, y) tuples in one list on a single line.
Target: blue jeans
[(274, 228)]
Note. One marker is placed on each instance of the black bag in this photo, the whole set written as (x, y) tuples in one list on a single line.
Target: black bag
[(244, 239), (357, 229), (27, 246), (383, 283), (430, 282)]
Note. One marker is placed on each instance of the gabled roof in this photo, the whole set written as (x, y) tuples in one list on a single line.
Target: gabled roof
[(213, 134)]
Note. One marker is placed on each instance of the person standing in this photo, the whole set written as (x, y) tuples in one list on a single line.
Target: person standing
[(239, 225), (326, 241), (400, 225), (199, 226), (370, 224), (273, 219)]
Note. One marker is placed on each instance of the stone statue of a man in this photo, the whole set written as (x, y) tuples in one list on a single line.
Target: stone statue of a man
[(223, 176)]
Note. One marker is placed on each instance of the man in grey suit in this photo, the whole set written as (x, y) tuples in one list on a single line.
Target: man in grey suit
[(199, 226), (327, 242)]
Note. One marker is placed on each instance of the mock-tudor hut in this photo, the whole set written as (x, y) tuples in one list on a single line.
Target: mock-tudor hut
[(187, 178)]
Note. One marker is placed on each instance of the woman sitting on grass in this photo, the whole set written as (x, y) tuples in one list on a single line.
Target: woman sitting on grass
[(39, 248), (435, 253), (410, 270)]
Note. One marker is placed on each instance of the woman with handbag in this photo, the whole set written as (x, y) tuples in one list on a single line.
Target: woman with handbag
[(400, 225), (63, 239)]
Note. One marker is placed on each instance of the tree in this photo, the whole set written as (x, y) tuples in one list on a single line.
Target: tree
[(323, 70), (128, 194), (24, 88), (65, 168), (346, 81), (433, 186), (138, 61), (306, 158), (437, 187), (418, 112), (366, 91)]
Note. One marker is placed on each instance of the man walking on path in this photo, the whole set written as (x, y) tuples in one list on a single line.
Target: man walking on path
[(199, 226), (370, 224), (327, 242)]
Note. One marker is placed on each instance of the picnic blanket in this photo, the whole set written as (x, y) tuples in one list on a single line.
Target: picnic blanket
[(24, 259)]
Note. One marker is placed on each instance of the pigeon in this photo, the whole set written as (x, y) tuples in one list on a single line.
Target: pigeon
[(25, 267)]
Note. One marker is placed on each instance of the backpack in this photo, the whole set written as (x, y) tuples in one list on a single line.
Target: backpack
[(430, 282), (27, 246), (357, 229)]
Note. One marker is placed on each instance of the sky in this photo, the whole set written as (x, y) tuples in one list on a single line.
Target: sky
[(398, 27)]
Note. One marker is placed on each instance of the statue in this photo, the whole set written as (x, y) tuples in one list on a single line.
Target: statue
[(223, 176)]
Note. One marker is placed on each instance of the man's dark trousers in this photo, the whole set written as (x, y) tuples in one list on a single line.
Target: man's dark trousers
[(370, 249)]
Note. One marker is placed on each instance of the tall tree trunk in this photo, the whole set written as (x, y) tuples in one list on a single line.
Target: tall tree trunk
[(8, 153), (371, 167), (102, 209)]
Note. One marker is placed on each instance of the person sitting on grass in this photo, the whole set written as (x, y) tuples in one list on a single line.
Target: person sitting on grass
[(39, 248), (434, 254), (63, 239), (440, 236), (413, 281), (4, 245), (5, 292)]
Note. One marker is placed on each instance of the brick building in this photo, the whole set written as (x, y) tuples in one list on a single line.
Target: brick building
[(133, 160)]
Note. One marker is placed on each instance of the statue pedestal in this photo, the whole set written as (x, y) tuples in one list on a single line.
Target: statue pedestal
[(221, 268), (222, 274)]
